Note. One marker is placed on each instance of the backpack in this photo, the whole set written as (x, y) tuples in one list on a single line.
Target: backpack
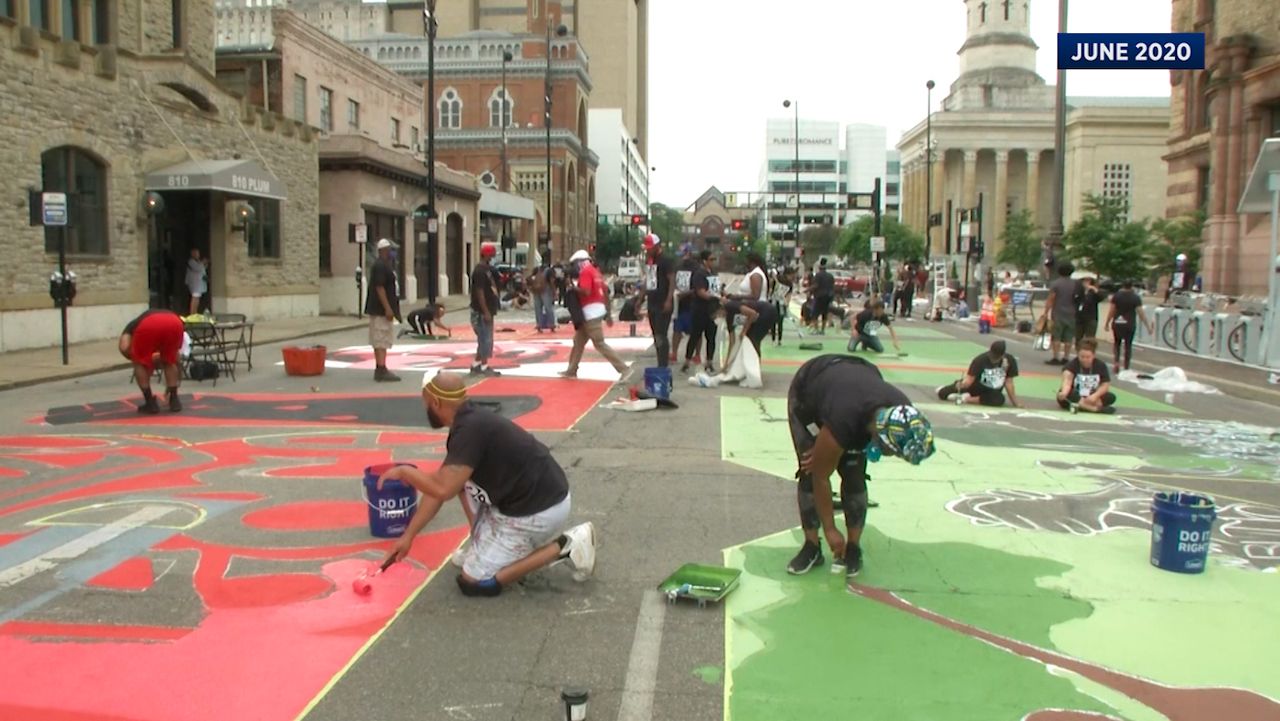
[(202, 370)]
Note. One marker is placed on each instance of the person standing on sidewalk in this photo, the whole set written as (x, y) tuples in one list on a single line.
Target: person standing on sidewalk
[(594, 293), (197, 279), (780, 295), (382, 305), (703, 314), (683, 322), (1087, 311), (1122, 321), (154, 333), (484, 303), (660, 282), (540, 286), (843, 414), (824, 290), (1060, 309)]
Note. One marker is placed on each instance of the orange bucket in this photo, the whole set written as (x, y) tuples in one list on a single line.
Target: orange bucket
[(308, 361)]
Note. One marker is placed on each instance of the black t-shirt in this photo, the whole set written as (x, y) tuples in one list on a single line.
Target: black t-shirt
[(382, 276), (843, 393), (657, 282), (990, 375), (482, 281), (1089, 300), (1127, 303), (701, 280), (824, 284), (684, 278), (1087, 380), (514, 470), (868, 324), (133, 324)]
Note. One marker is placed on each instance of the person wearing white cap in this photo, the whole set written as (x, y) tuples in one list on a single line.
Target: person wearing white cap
[(594, 293), (382, 305)]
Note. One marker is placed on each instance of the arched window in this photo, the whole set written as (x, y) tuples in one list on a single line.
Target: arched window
[(83, 178), (501, 108), (1205, 117), (450, 109)]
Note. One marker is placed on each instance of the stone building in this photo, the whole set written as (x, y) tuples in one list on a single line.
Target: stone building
[(1220, 117), (119, 98), (368, 120), (994, 137)]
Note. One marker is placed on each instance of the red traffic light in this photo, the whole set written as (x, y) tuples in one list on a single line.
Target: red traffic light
[(591, 249), (738, 224), (638, 220)]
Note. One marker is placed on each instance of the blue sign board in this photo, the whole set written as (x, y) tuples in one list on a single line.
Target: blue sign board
[(54, 208), (1022, 297), (1130, 51)]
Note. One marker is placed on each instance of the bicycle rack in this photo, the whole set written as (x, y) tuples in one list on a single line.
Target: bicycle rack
[(1244, 342)]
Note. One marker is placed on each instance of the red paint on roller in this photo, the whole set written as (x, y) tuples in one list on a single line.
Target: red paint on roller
[(308, 516), (134, 574), (362, 586)]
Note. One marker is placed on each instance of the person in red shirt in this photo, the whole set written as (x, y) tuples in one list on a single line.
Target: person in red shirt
[(156, 334), (594, 295)]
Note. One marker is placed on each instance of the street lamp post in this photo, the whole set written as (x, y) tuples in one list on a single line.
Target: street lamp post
[(504, 118), (433, 228), (928, 172), (560, 31), (1056, 227), (795, 140)]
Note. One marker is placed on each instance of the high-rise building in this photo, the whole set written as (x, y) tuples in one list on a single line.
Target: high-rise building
[(1220, 117), (622, 178)]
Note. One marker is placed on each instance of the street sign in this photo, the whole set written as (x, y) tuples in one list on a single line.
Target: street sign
[(731, 200), (433, 225), (362, 233), (877, 244), (54, 208)]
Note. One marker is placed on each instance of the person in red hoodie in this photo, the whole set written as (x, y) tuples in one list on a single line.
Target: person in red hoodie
[(595, 312)]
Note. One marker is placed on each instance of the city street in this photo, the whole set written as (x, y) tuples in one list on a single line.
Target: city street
[(200, 565)]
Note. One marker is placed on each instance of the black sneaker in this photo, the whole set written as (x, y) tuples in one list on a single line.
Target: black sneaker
[(944, 392), (1108, 410), (150, 406), (852, 561), (477, 370), (490, 371), (810, 555), (382, 375), (175, 404)]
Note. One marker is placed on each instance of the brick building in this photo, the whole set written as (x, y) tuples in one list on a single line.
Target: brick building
[(1220, 117), (117, 99)]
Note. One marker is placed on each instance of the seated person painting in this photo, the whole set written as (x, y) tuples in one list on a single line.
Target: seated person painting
[(1086, 382), (989, 378)]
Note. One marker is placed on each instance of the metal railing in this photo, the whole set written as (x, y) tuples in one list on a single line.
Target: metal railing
[(1209, 325)]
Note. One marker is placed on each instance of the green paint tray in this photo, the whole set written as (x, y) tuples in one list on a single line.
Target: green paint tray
[(700, 583)]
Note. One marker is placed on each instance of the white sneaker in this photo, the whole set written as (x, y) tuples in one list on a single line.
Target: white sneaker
[(582, 550)]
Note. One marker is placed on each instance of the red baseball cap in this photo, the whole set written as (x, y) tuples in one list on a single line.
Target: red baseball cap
[(651, 240), (488, 251)]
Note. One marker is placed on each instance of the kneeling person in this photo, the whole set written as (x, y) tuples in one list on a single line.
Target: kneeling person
[(866, 329), (154, 333), (1086, 382), (515, 495), (989, 377)]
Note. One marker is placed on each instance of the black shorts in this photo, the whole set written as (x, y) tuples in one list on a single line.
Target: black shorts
[(821, 306)]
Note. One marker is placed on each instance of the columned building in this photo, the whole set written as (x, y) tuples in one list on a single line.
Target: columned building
[(994, 138), (1220, 117)]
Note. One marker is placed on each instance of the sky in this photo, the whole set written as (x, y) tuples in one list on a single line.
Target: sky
[(718, 69)]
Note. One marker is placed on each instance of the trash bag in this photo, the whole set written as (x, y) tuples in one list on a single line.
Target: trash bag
[(1167, 380)]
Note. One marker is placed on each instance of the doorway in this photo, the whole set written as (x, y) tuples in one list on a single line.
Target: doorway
[(182, 225), (453, 245)]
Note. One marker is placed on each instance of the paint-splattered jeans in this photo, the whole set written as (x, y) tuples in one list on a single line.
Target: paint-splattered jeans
[(484, 336)]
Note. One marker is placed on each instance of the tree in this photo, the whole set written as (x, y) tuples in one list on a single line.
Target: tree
[(667, 223), (900, 242), (612, 243), (819, 240), (1107, 242), (1021, 239), (1172, 236)]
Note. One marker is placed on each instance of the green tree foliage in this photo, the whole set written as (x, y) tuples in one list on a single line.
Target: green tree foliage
[(819, 240), (1106, 242), (668, 223), (1172, 236), (1021, 242), (612, 242), (900, 242)]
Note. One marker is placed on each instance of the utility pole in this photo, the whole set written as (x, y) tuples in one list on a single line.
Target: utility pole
[(1056, 224), (433, 226)]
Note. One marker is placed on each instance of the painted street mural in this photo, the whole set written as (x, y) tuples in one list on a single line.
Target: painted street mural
[(1008, 578)]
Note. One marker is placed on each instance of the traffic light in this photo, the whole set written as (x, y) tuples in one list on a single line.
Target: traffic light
[(638, 220), (738, 224)]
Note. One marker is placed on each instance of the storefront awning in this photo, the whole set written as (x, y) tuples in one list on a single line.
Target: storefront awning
[(506, 205), (238, 177)]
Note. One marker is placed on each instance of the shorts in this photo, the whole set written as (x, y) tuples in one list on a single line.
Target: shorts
[(1064, 331), (684, 321), (1086, 328), (381, 335), (821, 306), (157, 333), (498, 540)]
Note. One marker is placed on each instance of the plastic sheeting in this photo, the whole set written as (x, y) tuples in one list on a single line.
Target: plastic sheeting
[(742, 368), (1167, 380)]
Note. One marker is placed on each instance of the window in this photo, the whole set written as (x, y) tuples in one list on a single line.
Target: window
[(1206, 103), (890, 188), (1274, 130), (71, 19), (74, 172), (353, 115), (39, 14), (99, 13), (1117, 182), (450, 109), (177, 23), (6, 9), (500, 108), (395, 131), (325, 254), (1204, 184), (263, 233), (806, 166), (299, 98), (413, 137), (326, 109)]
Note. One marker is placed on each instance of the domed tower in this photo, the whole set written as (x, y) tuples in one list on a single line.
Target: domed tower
[(998, 59)]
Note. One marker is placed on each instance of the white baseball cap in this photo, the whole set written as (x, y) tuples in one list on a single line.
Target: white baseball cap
[(386, 243), (579, 255)]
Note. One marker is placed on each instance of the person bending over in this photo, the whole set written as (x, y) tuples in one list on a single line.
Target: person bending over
[(757, 319), (515, 495), (155, 333), (866, 328), (420, 320)]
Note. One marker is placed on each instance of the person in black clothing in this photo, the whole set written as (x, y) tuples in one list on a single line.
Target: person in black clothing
[(660, 283), (515, 495), (780, 294), (1087, 311), (484, 304), (1122, 321), (420, 320), (1086, 384), (823, 290), (382, 305), (907, 294), (843, 414), (757, 319), (866, 329), (989, 377), (704, 305)]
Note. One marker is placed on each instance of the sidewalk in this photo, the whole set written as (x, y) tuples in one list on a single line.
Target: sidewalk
[(41, 365)]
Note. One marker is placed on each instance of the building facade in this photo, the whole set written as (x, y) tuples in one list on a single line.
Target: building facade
[(993, 140), (117, 99), (622, 180), (1220, 116), (504, 142)]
